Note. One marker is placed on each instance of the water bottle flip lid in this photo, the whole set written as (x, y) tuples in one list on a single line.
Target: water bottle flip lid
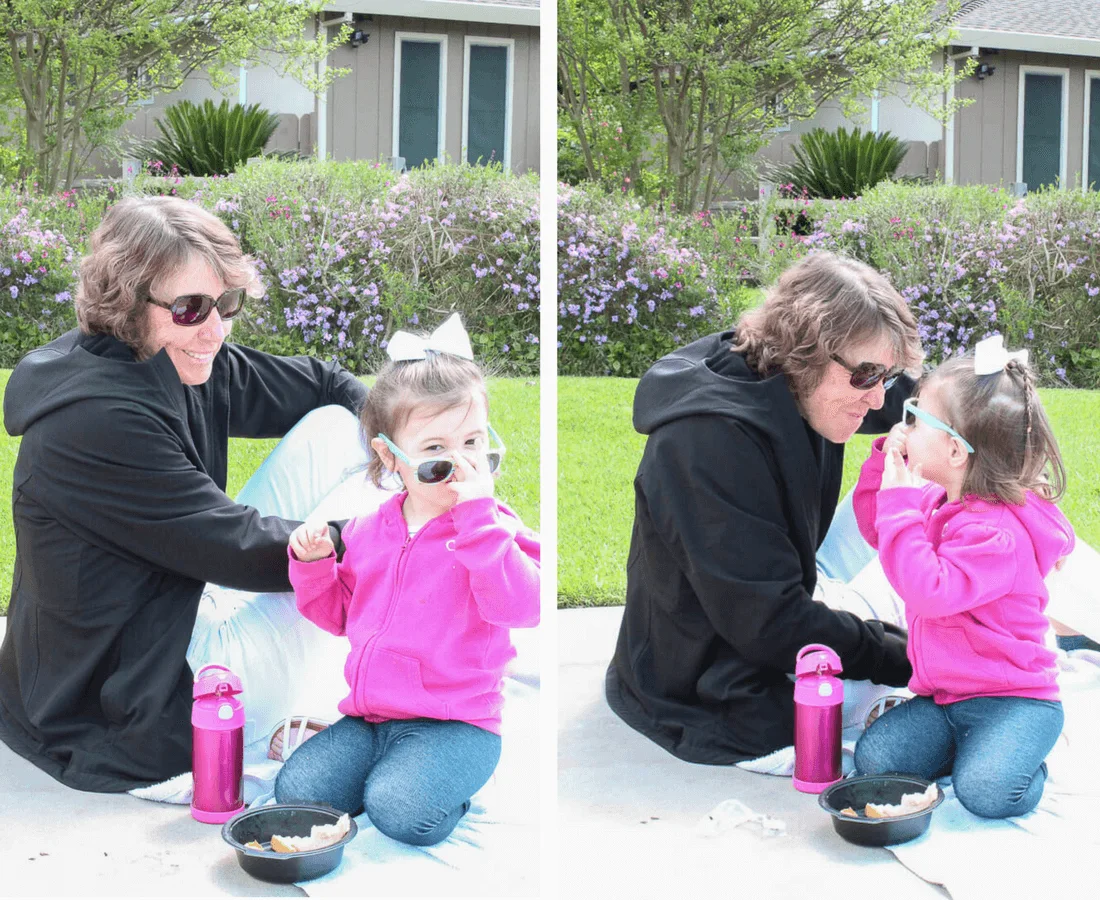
[(215, 681), (817, 659)]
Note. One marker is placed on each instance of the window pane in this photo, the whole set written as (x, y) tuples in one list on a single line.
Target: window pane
[(418, 139), (1042, 148), (1094, 133), (488, 98)]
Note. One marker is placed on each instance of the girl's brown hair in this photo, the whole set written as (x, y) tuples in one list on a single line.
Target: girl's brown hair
[(819, 307), (437, 383), (140, 241), (1002, 418)]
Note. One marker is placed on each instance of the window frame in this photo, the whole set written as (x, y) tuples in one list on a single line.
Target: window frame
[(509, 91), (1063, 163), (1090, 74), (420, 38)]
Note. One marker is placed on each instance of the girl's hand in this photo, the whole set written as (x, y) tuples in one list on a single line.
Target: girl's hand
[(473, 480), (897, 439), (310, 541), (896, 474)]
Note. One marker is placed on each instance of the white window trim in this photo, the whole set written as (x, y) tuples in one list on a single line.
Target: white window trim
[(1085, 177), (510, 44), (422, 38), (141, 73), (1062, 163)]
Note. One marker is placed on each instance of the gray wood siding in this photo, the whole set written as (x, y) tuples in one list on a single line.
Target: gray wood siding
[(360, 105), (985, 132)]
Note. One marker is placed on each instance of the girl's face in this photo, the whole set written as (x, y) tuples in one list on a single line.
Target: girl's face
[(941, 457), (462, 429)]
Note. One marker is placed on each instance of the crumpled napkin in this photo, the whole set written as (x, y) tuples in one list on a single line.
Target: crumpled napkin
[(732, 814)]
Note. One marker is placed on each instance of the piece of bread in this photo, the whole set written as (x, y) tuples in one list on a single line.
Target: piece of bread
[(254, 845), (319, 836), (848, 811), (284, 844)]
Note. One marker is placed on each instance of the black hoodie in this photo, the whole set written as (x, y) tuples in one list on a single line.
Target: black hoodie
[(120, 517), (733, 496)]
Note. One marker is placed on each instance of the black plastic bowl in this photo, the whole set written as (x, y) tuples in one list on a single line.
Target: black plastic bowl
[(857, 792), (288, 820)]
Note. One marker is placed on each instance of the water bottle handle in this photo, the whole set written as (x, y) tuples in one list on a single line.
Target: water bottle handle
[(198, 674), (812, 648), (204, 684)]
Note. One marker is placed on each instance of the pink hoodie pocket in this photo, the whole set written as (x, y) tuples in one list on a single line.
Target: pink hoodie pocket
[(392, 686), (950, 662)]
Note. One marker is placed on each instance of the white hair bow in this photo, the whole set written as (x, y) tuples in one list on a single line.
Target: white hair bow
[(450, 337), (991, 357)]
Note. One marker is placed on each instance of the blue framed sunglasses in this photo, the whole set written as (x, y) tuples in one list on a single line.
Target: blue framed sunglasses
[(436, 470), (911, 412)]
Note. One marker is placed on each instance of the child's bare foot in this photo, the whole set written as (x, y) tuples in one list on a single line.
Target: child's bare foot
[(294, 731)]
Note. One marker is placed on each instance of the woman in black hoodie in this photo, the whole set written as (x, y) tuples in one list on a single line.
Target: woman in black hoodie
[(735, 492), (119, 503)]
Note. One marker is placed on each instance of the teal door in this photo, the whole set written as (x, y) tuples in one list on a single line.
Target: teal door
[(1042, 144), (418, 132)]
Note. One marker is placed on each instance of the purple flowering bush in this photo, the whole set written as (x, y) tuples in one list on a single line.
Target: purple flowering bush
[(351, 252), (974, 261), (630, 289), (37, 272)]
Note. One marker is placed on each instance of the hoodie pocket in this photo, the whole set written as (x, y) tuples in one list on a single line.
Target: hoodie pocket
[(392, 686), (951, 663)]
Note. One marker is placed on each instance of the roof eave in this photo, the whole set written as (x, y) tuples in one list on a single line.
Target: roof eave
[(454, 10), (1034, 43)]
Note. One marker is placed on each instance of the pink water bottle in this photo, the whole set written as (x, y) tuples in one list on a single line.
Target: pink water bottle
[(818, 699), (217, 750)]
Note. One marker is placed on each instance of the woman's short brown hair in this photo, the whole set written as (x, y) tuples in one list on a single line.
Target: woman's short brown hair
[(437, 383), (140, 241), (819, 307)]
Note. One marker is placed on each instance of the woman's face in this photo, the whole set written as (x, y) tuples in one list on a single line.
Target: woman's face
[(835, 409), (191, 348)]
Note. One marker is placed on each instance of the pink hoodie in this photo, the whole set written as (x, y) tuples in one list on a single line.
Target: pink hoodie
[(971, 576), (427, 616)]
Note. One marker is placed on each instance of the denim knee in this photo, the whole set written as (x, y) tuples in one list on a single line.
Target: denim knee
[(871, 755), (403, 818), (993, 796), (292, 785)]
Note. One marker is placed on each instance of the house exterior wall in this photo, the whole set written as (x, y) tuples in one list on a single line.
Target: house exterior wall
[(986, 131), (360, 105)]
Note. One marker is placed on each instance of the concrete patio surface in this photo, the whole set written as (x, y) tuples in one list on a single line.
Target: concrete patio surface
[(628, 810)]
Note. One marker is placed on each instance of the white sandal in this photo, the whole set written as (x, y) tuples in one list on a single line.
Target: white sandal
[(304, 724), (881, 705)]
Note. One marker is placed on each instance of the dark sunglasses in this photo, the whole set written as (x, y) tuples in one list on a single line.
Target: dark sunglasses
[(439, 469), (194, 309), (867, 374)]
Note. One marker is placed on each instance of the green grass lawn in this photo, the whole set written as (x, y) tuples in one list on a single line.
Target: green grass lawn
[(598, 454), (514, 404)]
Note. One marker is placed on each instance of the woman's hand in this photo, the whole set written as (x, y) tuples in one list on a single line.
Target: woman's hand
[(310, 541), (896, 474), (897, 439), (473, 480)]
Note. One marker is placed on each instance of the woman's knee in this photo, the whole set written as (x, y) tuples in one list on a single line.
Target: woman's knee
[(417, 821)]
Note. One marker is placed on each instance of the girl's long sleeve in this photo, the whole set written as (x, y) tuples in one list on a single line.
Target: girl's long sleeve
[(323, 590), (502, 558)]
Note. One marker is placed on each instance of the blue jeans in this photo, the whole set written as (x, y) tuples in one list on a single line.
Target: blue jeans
[(993, 748), (413, 777)]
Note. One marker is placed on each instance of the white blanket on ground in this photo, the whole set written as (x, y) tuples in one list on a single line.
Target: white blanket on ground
[(494, 850), (967, 854)]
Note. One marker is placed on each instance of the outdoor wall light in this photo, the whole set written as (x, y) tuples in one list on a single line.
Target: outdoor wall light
[(359, 37), (984, 70)]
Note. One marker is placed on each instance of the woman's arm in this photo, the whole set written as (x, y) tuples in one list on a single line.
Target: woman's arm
[(120, 478), (269, 394), (502, 558)]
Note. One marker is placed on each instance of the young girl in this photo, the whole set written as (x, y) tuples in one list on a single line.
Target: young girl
[(967, 552), (426, 590)]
